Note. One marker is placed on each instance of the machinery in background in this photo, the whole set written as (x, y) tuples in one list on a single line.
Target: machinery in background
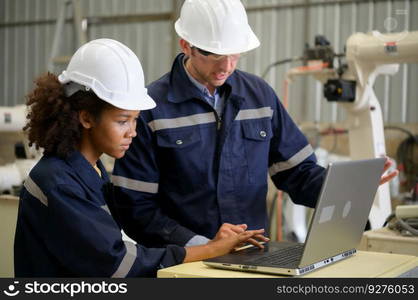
[(12, 175), (407, 158), (404, 220), (351, 86), (368, 56), (400, 236), (12, 119)]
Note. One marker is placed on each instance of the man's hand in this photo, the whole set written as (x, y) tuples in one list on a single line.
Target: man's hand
[(388, 177)]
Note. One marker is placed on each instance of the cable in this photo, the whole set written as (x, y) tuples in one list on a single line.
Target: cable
[(400, 129), (299, 58), (335, 132), (405, 227), (409, 224), (388, 219), (280, 62)]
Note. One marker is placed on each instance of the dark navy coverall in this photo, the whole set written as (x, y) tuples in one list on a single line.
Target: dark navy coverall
[(65, 229), (188, 170)]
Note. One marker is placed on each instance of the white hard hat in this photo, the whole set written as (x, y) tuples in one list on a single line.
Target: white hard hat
[(112, 71), (217, 26)]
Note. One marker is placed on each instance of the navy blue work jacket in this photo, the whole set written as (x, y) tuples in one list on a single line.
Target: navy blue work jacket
[(188, 171), (65, 229)]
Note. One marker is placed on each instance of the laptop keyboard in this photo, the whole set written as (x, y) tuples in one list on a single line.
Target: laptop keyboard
[(286, 256)]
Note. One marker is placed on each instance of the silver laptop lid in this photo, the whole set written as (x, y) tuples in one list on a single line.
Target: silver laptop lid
[(342, 209)]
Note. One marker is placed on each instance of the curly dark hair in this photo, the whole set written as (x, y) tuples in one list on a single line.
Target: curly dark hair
[(53, 122)]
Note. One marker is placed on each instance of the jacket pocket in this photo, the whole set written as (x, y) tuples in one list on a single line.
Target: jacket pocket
[(178, 138), (182, 167), (257, 130), (256, 136)]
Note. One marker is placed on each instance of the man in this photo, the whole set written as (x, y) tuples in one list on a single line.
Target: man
[(204, 152)]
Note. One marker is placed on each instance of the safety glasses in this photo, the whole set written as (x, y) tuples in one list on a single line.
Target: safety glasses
[(216, 57)]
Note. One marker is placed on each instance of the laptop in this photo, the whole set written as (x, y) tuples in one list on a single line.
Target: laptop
[(337, 225)]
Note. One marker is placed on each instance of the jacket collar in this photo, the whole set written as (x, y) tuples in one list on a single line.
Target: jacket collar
[(86, 171), (182, 89)]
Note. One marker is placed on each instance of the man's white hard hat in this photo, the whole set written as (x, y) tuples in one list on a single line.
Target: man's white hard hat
[(217, 26), (112, 71)]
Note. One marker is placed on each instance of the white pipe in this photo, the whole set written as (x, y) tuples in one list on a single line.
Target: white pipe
[(9, 177), (12, 119), (14, 174)]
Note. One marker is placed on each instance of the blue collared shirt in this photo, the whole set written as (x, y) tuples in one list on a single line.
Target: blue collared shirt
[(216, 100)]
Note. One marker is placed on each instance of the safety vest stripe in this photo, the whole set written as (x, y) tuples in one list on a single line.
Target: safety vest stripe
[(127, 261), (291, 162), (106, 209), (256, 113), (135, 185), (191, 120), (35, 191)]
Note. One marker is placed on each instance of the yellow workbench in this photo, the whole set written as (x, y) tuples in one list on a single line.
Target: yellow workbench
[(389, 241), (362, 264)]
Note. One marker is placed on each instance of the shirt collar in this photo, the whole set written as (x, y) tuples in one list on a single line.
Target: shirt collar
[(181, 90), (202, 88)]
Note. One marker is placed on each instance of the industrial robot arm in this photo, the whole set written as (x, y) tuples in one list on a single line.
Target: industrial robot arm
[(367, 56), (12, 120)]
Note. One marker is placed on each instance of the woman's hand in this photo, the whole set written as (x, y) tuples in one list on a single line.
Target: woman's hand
[(227, 244), (227, 239), (227, 230)]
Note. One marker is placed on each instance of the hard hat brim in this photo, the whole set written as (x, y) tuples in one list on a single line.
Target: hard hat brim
[(112, 71), (253, 42), (136, 104), (118, 100)]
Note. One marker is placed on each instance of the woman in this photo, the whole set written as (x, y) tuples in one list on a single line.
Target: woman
[(65, 228)]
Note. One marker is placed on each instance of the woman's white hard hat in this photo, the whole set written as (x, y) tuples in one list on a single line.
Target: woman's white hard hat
[(217, 26), (112, 71)]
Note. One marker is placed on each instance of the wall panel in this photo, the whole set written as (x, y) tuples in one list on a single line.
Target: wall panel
[(28, 26)]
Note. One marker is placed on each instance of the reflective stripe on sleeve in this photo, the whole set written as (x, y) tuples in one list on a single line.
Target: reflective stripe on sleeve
[(135, 185), (257, 113), (106, 209), (127, 261), (291, 162), (35, 191), (191, 120)]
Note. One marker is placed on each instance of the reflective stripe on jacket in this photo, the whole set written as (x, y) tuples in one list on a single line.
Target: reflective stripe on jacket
[(188, 171), (65, 228)]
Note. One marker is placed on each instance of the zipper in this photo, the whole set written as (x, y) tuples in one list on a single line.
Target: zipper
[(217, 118), (218, 121)]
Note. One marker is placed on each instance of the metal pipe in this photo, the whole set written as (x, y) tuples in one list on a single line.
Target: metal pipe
[(58, 32), (97, 20), (302, 3)]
